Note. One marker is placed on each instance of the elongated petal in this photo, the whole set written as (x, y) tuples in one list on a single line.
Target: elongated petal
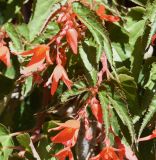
[(110, 18), (68, 82), (72, 36), (5, 55), (64, 153), (153, 135), (58, 72), (97, 111), (27, 53), (54, 86), (33, 68), (63, 136)]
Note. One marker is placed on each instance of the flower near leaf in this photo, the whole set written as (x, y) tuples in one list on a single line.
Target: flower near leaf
[(120, 146), (5, 55), (64, 153), (101, 13), (153, 135), (106, 154), (71, 37), (96, 109), (39, 54), (68, 134), (58, 73), (153, 39)]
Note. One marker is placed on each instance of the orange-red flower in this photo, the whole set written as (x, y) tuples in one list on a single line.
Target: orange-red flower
[(5, 55), (39, 53), (64, 153), (69, 133), (58, 73), (71, 37), (106, 154), (96, 109), (101, 13)]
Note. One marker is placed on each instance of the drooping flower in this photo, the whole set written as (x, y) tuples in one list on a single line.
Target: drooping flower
[(58, 73), (96, 109), (106, 154), (5, 55), (39, 54), (64, 153), (68, 134), (71, 37), (101, 13)]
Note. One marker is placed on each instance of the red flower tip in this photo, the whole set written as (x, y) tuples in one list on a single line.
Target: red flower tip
[(101, 13), (5, 55), (153, 39), (72, 37), (64, 153)]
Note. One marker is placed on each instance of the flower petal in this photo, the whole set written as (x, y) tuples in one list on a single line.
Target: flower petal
[(64, 136), (64, 153), (54, 86), (97, 110), (5, 55), (72, 36)]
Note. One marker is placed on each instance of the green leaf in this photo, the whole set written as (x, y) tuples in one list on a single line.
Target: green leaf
[(91, 70), (6, 142), (152, 78), (43, 149), (27, 86), (77, 89), (98, 31), (104, 103), (129, 85), (122, 112), (24, 141), (51, 30), (23, 30), (13, 34), (42, 12), (150, 113)]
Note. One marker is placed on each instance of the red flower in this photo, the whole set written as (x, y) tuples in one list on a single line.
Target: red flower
[(68, 134), (5, 55), (101, 13), (58, 73), (38, 54), (153, 135), (153, 39), (106, 154), (64, 153), (96, 109), (71, 37)]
